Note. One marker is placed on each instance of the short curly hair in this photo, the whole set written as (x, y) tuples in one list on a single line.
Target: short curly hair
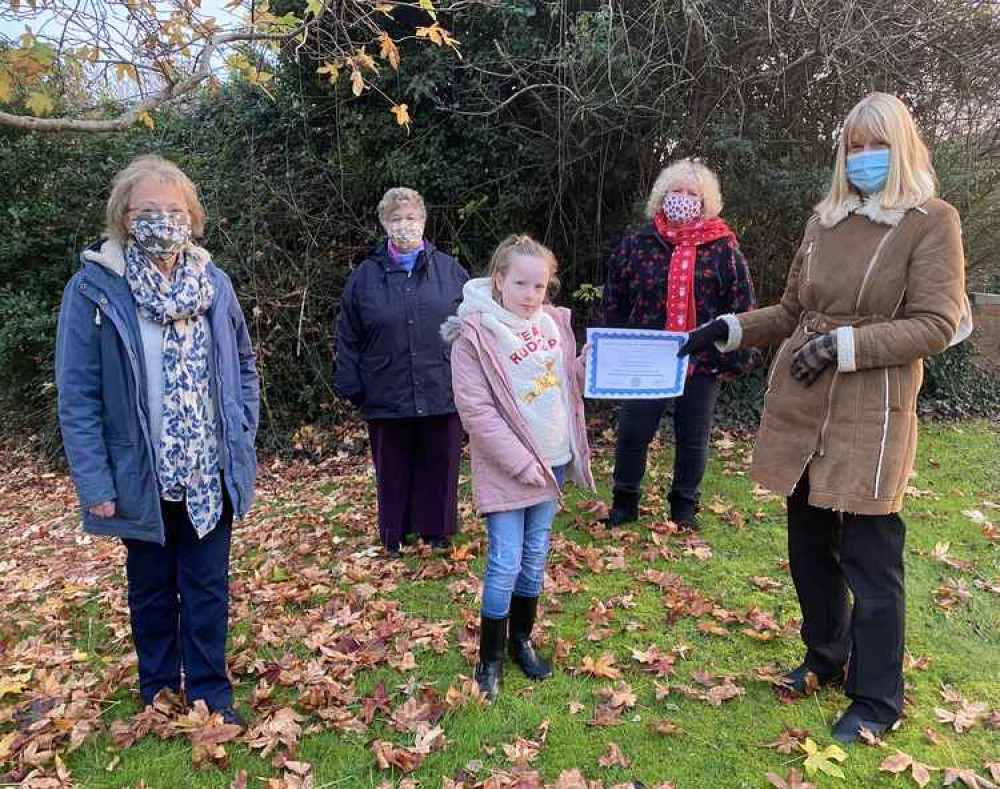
[(681, 170), (156, 168), (397, 196)]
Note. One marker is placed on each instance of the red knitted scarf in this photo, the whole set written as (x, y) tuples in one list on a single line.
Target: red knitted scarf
[(681, 310)]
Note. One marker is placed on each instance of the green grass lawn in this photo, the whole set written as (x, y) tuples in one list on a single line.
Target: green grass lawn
[(295, 584)]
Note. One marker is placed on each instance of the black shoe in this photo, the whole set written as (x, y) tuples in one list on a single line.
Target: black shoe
[(848, 728), (231, 717), (438, 543), (519, 647), (489, 670), (683, 512), (624, 509), (394, 551), (798, 679)]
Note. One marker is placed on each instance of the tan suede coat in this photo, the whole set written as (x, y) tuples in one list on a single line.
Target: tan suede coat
[(892, 285)]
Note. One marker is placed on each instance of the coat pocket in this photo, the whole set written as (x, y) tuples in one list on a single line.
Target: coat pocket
[(132, 501), (376, 380), (904, 385), (372, 363)]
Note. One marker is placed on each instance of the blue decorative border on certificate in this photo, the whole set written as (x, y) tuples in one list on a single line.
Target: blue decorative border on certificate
[(594, 337)]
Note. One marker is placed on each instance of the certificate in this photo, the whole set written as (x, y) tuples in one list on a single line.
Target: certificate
[(634, 364)]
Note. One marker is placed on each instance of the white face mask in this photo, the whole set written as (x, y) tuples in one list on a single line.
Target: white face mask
[(405, 233)]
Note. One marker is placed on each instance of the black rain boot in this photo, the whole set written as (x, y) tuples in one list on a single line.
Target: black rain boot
[(489, 669), (519, 647), (624, 509), (683, 512)]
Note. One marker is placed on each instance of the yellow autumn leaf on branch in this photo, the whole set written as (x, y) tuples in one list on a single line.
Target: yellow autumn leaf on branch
[(402, 113), (363, 60), (125, 71), (389, 50), (257, 77), (330, 69), (40, 103), (438, 35), (314, 7), (147, 120), (357, 82)]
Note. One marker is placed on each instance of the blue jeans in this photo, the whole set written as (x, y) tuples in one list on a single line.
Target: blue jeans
[(518, 548)]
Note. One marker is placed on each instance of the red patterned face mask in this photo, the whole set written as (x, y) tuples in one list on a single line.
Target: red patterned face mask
[(679, 207)]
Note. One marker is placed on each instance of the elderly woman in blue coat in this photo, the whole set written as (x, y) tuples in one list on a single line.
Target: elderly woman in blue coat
[(392, 362), (158, 406)]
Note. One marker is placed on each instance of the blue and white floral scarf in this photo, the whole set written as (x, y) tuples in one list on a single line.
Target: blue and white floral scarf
[(188, 466)]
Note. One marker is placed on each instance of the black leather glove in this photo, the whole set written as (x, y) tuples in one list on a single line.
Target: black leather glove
[(705, 336), (813, 358)]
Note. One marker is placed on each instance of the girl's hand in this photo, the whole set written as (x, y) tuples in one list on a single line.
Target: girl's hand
[(106, 509), (533, 475)]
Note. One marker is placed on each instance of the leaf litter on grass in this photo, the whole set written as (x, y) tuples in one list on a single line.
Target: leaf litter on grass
[(316, 610)]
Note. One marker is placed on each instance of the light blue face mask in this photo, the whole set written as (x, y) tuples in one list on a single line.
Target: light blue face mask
[(869, 170)]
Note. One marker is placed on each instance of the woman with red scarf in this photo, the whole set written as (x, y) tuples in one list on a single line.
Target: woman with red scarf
[(682, 269)]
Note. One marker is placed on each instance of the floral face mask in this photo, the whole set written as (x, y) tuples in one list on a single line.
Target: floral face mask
[(405, 232), (159, 234)]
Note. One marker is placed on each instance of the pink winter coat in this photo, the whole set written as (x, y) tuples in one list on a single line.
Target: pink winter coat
[(500, 441)]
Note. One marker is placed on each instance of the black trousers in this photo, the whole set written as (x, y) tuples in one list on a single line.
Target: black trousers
[(693, 414), (178, 597), (830, 553)]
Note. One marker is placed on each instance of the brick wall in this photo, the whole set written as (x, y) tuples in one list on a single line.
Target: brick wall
[(986, 314)]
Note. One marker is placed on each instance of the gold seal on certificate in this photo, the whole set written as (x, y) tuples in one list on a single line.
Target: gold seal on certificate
[(634, 364)]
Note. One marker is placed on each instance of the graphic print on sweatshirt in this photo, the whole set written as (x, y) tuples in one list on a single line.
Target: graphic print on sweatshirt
[(541, 351)]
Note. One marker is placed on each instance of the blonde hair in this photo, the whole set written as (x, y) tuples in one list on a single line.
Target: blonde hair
[(525, 245), (911, 180), (681, 170), (139, 169), (397, 196)]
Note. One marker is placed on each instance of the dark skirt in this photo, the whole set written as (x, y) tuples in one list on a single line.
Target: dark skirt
[(416, 471)]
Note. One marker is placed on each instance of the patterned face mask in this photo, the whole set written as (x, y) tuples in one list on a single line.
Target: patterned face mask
[(159, 234), (405, 232), (680, 207)]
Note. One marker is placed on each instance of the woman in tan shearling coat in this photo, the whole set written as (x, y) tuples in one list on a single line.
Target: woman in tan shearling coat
[(876, 286)]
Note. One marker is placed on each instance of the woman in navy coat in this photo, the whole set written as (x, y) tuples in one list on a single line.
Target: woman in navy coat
[(393, 364)]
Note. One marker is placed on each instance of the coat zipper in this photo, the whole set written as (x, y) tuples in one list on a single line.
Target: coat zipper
[(809, 256), (885, 432), (805, 465), (829, 411), (774, 365), (871, 265)]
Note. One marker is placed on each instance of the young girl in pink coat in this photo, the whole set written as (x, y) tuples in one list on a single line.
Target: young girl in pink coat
[(518, 387)]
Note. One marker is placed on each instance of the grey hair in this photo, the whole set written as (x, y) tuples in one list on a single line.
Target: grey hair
[(397, 196)]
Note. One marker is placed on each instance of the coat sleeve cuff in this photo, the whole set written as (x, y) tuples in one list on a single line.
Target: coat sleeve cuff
[(846, 360), (735, 334), (91, 498)]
